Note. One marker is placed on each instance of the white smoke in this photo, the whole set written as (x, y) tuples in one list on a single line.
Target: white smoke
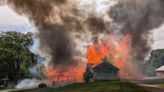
[(30, 83)]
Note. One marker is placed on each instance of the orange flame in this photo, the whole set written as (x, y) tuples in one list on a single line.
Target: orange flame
[(96, 53), (65, 74), (119, 52), (117, 49), (114, 48)]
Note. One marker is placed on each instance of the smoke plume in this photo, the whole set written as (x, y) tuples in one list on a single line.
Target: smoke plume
[(137, 17), (96, 25), (55, 39), (57, 19)]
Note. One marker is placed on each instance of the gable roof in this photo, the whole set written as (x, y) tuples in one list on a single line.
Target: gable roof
[(160, 69), (106, 65)]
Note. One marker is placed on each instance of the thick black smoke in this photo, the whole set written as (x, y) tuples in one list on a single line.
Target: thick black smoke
[(56, 42), (137, 17), (96, 24), (55, 19), (54, 37)]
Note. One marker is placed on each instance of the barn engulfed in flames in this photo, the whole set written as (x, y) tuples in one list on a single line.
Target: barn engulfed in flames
[(114, 48), (55, 20)]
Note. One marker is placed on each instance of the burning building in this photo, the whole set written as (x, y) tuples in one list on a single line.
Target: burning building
[(99, 66), (105, 71), (125, 24)]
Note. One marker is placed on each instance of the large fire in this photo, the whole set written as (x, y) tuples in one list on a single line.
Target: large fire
[(96, 53), (117, 49), (61, 74)]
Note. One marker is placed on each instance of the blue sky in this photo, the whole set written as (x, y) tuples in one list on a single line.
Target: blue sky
[(9, 20)]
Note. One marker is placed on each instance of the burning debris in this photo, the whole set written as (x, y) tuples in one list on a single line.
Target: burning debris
[(126, 43)]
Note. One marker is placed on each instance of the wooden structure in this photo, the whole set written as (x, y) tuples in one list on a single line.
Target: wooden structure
[(105, 71), (160, 72)]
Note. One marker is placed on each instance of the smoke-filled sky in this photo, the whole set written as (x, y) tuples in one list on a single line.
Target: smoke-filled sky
[(9, 17), (64, 25)]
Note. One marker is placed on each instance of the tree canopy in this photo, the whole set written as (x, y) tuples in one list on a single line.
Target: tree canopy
[(15, 56)]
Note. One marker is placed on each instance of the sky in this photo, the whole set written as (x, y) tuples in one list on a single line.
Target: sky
[(9, 17), (9, 20), (158, 37)]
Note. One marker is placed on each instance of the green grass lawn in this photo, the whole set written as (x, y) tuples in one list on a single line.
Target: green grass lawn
[(103, 86), (154, 81)]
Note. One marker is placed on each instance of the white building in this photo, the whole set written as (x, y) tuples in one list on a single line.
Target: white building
[(160, 72)]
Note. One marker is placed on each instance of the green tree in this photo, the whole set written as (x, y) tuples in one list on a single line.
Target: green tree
[(155, 60), (15, 56)]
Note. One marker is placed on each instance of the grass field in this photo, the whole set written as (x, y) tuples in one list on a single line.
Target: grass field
[(161, 85), (105, 86), (157, 82), (154, 81)]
